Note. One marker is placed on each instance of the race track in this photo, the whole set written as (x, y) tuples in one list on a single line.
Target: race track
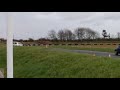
[(94, 53)]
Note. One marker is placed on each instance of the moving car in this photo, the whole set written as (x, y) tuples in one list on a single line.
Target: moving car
[(117, 50)]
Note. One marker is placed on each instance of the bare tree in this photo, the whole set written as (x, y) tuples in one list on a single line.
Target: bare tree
[(88, 33), (61, 35), (2, 40), (30, 39), (52, 35), (91, 34), (118, 34), (21, 40), (68, 34), (96, 35), (80, 32), (73, 36)]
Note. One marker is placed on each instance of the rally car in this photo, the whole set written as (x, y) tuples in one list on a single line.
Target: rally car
[(117, 50)]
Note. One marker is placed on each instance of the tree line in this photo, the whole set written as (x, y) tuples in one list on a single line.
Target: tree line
[(69, 35), (78, 34)]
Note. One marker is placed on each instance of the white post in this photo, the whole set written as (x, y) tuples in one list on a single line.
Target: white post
[(9, 46)]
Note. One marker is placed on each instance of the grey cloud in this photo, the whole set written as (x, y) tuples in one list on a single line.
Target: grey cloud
[(112, 16), (75, 15), (37, 24)]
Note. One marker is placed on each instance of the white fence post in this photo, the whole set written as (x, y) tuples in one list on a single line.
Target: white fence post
[(9, 45)]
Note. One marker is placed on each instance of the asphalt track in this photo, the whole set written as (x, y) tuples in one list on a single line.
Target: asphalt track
[(94, 53)]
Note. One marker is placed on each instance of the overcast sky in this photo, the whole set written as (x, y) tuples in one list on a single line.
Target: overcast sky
[(37, 24)]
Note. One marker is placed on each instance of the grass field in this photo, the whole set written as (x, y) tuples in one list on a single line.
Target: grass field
[(41, 62), (102, 48)]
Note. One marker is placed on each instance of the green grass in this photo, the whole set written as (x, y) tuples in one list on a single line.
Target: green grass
[(2, 55), (92, 48), (41, 62)]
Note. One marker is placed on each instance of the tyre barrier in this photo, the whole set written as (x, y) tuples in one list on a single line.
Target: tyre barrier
[(65, 44)]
